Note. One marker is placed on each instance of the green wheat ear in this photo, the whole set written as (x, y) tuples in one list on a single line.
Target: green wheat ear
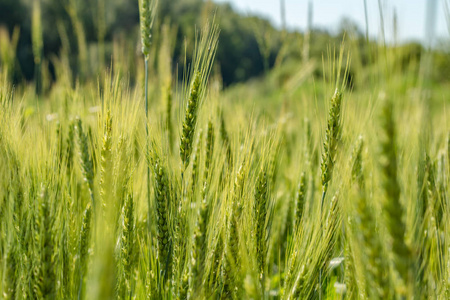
[(106, 164), (331, 139), (162, 194), (147, 10), (300, 201), (190, 120), (260, 214), (87, 166), (195, 91)]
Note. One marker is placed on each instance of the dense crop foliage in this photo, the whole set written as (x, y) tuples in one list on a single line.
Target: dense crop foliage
[(334, 189)]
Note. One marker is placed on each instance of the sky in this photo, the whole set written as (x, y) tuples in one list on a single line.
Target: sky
[(411, 15)]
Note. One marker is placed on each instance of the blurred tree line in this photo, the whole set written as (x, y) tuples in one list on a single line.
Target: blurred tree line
[(248, 45)]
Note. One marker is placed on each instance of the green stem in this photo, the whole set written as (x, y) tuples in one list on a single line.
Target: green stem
[(324, 192), (146, 133), (148, 166), (263, 285)]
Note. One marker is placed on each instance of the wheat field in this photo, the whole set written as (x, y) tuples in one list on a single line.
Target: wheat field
[(181, 189)]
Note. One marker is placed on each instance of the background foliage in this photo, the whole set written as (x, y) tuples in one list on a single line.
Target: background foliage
[(238, 59)]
